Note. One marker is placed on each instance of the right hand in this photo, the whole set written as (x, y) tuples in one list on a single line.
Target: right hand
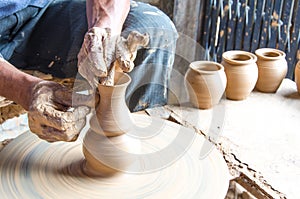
[(95, 55)]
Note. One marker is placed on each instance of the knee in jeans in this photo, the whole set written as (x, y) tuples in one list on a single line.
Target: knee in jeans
[(149, 19)]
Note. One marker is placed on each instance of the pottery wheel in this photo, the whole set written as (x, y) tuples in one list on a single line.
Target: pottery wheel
[(33, 168)]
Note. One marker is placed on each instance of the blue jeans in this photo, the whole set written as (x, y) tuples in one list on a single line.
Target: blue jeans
[(49, 40)]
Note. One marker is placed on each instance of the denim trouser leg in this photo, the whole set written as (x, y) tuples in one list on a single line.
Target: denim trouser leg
[(56, 39), (153, 63)]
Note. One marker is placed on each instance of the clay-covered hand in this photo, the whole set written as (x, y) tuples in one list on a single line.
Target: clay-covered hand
[(96, 55), (101, 52), (51, 115), (126, 49)]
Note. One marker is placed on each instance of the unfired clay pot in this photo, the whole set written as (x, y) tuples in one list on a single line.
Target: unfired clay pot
[(106, 146), (205, 82), (112, 112), (241, 72), (297, 76), (272, 68)]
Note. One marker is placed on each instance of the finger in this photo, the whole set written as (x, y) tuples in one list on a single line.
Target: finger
[(63, 96), (85, 70), (74, 115), (97, 62), (124, 56), (41, 128), (103, 51), (69, 98), (59, 119), (109, 47), (85, 100), (55, 129), (110, 79), (136, 39), (51, 134), (91, 54), (125, 63)]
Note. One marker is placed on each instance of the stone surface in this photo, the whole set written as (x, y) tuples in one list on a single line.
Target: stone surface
[(261, 132)]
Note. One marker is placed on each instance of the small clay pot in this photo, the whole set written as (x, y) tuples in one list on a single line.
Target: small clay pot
[(205, 82), (106, 147), (112, 114), (297, 76), (107, 156), (272, 69), (241, 72)]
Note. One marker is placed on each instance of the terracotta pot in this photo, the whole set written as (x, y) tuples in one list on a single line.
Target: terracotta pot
[(106, 146), (205, 82), (112, 113), (272, 69), (297, 76), (241, 72)]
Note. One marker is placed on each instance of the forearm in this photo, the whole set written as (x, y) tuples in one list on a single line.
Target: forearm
[(107, 14), (16, 85)]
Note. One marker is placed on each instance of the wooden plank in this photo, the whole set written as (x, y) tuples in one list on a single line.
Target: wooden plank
[(240, 25), (206, 29), (265, 36), (232, 18), (257, 25), (285, 28), (223, 29), (291, 55), (249, 21), (215, 10), (275, 24)]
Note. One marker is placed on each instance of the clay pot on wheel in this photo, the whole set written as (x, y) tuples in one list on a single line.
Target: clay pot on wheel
[(205, 82), (241, 72), (297, 76), (272, 69), (106, 147)]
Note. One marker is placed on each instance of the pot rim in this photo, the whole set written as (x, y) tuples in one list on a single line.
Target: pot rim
[(118, 84), (261, 53), (196, 66), (228, 56)]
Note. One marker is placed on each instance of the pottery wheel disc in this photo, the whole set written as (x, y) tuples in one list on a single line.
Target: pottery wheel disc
[(32, 168)]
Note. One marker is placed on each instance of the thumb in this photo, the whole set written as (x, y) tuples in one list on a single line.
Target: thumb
[(73, 99)]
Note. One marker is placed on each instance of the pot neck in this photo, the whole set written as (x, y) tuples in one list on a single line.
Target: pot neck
[(206, 67), (270, 54), (236, 57), (122, 81)]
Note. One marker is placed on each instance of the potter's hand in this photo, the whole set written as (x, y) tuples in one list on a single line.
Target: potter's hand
[(50, 116), (96, 55), (126, 49), (101, 52)]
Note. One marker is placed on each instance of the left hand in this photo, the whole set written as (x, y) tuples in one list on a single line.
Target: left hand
[(50, 115)]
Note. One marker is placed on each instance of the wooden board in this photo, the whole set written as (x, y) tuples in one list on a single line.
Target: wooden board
[(249, 21), (240, 25), (32, 168), (231, 26)]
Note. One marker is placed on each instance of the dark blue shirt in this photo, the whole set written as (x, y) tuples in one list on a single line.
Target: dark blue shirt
[(8, 7)]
